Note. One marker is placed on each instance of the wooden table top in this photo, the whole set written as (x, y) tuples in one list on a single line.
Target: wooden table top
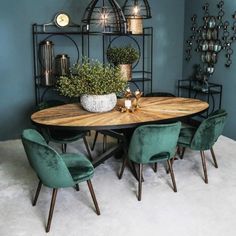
[(153, 110)]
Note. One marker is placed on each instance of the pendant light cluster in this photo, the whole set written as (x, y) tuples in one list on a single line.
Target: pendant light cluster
[(106, 16)]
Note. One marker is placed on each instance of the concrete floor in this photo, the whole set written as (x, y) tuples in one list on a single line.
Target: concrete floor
[(197, 209)]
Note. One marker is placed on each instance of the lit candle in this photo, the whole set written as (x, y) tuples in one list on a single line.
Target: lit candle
[(128, 90), (137, 92), (136, 10), (128, 104)]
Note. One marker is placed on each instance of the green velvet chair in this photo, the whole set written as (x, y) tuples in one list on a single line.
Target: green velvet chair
[(54, 170), (203, 137), (62, 136), (151, 144)]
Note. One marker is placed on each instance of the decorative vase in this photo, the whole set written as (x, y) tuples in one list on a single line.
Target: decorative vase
[(126, 71), (46, 59), (98, 103)]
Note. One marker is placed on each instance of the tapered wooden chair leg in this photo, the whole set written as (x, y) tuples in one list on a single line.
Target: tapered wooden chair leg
[(90, 186), (155, 167), (140, 181), (204, 166), (53, 201), (178, 151), (77, 187), (37, 193), (168, 169), (214, 157), (172, 175), (63, 147), (122, 167), (88, 148), (182, 154), (95, 140)]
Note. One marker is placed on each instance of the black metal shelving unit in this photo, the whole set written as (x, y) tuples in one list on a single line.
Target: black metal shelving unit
[(193, 91), (80, 39)]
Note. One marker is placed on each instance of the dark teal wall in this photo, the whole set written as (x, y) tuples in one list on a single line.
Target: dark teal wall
[(16, 67), (222, 75)]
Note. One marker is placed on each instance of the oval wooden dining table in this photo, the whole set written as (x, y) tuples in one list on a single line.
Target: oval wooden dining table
[(152, 110)]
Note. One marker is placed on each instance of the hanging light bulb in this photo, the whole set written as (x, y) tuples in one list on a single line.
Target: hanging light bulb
[(136, 10), (104, 18)]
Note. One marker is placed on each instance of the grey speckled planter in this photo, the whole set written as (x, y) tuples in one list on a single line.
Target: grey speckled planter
[(98, 103)]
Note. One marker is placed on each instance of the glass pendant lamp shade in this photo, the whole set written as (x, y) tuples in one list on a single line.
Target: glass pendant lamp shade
[(137, 9), (104, 16)]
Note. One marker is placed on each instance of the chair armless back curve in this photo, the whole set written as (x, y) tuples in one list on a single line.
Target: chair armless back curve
[(209, 131), (151, 143), (48, 164), (37, 138)]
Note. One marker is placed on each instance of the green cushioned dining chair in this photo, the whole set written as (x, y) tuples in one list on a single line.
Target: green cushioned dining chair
[(203, 137), (152, 144), (62, 136), (54, 170)]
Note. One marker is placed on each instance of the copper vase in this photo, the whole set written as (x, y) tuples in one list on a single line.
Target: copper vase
[(126, 71)]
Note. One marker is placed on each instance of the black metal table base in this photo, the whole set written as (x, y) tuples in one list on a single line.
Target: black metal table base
[(122, 145)]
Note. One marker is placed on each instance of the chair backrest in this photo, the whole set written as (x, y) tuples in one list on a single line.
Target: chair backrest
[(209, 131), (48, 104), (152, 142), (46, 132), (47, 163), (160, 94)]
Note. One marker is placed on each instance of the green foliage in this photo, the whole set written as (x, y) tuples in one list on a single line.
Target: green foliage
[(93, 78), (122, 55)]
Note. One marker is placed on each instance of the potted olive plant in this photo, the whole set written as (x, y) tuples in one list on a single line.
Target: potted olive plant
[(123, 57), (95, 83)]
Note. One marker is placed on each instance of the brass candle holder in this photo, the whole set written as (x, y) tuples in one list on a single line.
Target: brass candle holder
[(136, 102), (131, 102)]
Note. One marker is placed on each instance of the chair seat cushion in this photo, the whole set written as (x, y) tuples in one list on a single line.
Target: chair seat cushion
[(186, 135), (65, 136), (80, 168)]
